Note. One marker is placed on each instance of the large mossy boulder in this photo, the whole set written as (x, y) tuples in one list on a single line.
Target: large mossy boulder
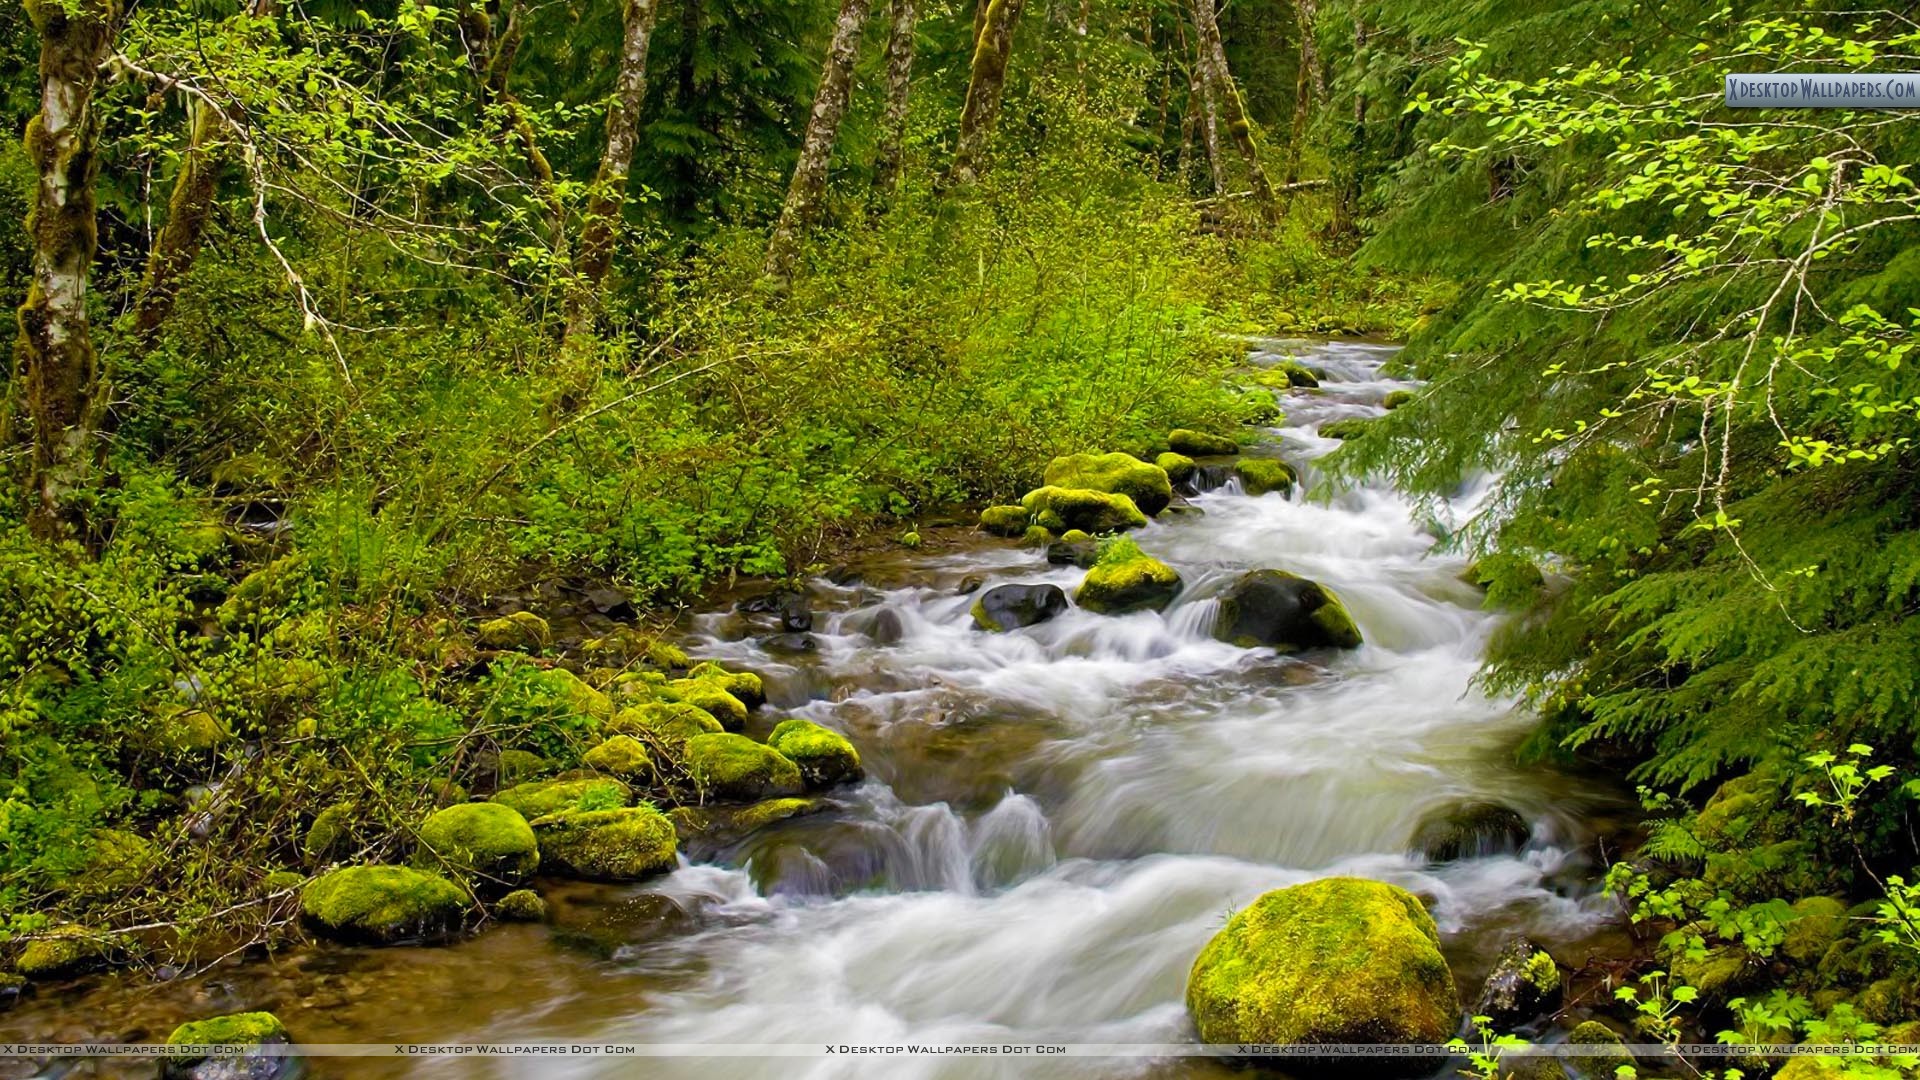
[(737, 769), (383, 904), (1262, 475), (1339, 960), (490, 839), (744, 685), (712, 698), (1147, 485), (248, 1029), (543, 797), (625, 844), (1177, 466), (1004, 520), (1059, 509), (1127, 579), (824, 756), (1200, 444), (522, 630), (1285, 611), (670, 722), (1469, 830), (65, 951), (621, 755), (1010, 607)]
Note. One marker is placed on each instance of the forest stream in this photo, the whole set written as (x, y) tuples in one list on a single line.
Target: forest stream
[(1053, 822)]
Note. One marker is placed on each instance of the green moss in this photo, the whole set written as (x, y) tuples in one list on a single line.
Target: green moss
[(1200, 444), (116, 860), (744, 685), (383, 903), (65, 951), (521, 905), (543, 797), (1176, 465), (1297, 374), (1147, 485), (713, 699), (1541, 972), (1004, 520), (1604, 1064), (238, 1029), (626, 844), (1261, 475), (1333, 618), (280, 881), (333, 833), (182, 731), (1036, 536), (487, 838), (1396, 399), (522, 630), (514, 766), (1818, 922), (1810, 1067), (737, 768), (825, 757), (573, 690), (1059, 509), (762, 814), (623, 756), (1258, 407), (671, 723), (1127, 579), (1076, 536), (1334, 960), (1345, 429), (665, 656), (266, 593)]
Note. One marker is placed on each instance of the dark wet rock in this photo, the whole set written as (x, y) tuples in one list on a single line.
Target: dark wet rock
[(843, 576), (1208, 478), (795, 615), (1524, 986), (886, 628), (1468, 831), (789, 643), (12, 989), (969, 585), (1010, 607), (1285, 611), (612, 603), (1180, 510), (706, 831), (1081, 553)]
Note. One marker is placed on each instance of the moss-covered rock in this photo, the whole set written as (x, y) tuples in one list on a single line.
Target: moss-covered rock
[(578, 695), (1524, 985), (267, 594), (1258, 407), (1199, 443), (1147, 485), (237, 1029), (736, 768), (623, 756), (1261, 475), (251, 1029), (1351, 428), (521, 905), (1059, 509), (1339, 960), (1036, 536), (1818, 922), (518, 766), (1127, 579), (713, 699), (383, 904), (491, 839), (1608, 1056), (1010, 607), (824, 756), (744, 685), (178, 731), (626, 844), (1004, 520), (281, 881), (116, 860), (334, 833), (543, 797), (715, 827), (522, 630), (1177, 466), (670, 722), (1810, 1067), (1396, 398), (65, 951), (1298, 374), (1284, 611)]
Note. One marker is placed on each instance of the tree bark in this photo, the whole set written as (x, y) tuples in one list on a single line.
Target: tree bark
[(993, 48), (1226, 97), (809, 185), (1311, 78), (1206, 123), (893, 126), (178, 242), (607, 198), (1348, 176), (54, 350)]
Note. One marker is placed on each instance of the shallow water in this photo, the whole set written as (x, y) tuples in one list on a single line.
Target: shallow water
[(1054, 822)]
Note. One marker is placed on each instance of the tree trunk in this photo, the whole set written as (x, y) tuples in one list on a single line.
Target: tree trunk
[(1206, 123), (1226, 97), (893, 127), (178, 242), (809, 185), (1306, 15), (1349, 177), (607, 198), (54, 352), (991, 51)]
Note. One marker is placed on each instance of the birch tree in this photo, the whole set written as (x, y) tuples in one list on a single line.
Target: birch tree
[(809, 184), (608, 197), (893, 125)]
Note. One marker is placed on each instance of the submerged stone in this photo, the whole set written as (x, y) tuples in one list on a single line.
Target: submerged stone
[(1010, 607), (1468, 831), (1147, 485), (1284, 611), (1339, 960)]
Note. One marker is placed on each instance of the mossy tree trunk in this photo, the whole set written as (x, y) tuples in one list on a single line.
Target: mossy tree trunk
[(1206, 120), (1349, 170), (992, 50), (607, 199), (55, 356), (1232, 111), (178, 243), (1311, 80), (893, 126), (809, 185), (490, 55)]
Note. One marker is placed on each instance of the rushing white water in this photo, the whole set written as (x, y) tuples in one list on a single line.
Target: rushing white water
[(1057, 819)]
